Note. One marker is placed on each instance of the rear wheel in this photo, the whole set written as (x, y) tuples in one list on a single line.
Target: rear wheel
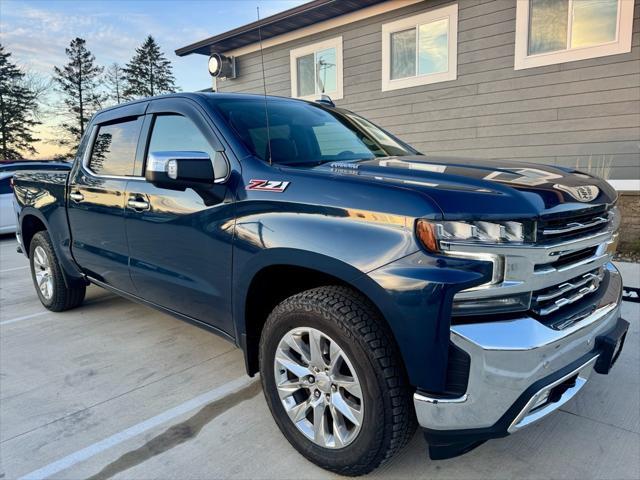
[(47, 276), (333, 380)]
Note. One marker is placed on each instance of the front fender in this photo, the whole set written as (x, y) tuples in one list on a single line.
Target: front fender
[(293, 258), (328, 240), (415, 294)]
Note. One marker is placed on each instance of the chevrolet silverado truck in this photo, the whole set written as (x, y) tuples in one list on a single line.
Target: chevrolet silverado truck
[(373, 288)]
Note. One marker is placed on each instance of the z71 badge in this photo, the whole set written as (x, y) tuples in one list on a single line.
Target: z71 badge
[(268, 185)]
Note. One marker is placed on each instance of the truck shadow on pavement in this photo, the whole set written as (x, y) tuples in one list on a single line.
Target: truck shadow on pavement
[(178, 434)]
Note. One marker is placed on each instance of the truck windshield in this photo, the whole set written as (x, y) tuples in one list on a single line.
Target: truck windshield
[(303, 133)]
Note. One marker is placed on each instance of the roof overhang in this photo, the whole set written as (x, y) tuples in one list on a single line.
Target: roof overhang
[(281, 23)]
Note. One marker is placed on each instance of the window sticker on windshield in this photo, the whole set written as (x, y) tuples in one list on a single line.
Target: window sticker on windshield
[(268, 185)]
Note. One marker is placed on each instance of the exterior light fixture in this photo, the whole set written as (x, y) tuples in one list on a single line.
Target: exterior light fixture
[(221, 66)]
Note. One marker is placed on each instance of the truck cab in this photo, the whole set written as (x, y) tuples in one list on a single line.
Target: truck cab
[(375, 288)]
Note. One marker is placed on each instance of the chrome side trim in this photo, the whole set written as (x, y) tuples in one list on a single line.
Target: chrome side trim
[(575, 226), (565, 287), (532, 413), (558, 304)]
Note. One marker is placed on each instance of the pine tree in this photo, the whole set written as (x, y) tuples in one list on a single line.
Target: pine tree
[(18, 110), (77, 82), (149, 72), (114, 82)]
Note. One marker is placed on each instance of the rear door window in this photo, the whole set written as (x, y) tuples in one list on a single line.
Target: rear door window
[(114, 148)]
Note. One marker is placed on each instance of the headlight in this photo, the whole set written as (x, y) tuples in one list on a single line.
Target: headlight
[(615, 218), (435, 234)]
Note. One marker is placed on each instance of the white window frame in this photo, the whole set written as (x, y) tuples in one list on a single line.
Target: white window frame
[(622, 44), (449, 12), (294, 54)]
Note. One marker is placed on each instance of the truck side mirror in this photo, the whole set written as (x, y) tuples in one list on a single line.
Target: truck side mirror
[(184, 169)]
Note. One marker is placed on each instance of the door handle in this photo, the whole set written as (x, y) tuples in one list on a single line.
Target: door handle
[(138, 203), (76, 196)]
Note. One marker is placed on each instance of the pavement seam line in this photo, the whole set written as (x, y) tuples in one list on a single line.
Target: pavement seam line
[(599, 421), (44, 312), (24, 317), (137, 429), (14, 269)]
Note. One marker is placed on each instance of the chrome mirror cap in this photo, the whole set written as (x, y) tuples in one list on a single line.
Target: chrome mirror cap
[(186, 167)]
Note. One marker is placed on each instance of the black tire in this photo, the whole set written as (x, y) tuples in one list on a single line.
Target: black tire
[(62, 297), (356, 326)]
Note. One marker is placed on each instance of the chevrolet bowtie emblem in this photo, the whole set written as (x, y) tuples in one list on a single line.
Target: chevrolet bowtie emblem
[(582, 193)]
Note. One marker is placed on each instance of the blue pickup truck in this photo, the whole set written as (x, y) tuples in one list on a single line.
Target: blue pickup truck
[(374, 288)]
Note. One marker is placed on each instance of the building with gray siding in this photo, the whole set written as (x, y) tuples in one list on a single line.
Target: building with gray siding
[(549, 81)]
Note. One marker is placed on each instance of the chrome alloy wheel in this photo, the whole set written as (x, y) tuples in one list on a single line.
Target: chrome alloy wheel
[(42, 270), (318, 387)]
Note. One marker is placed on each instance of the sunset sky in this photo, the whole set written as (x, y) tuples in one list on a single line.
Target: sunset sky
[(37, 32)]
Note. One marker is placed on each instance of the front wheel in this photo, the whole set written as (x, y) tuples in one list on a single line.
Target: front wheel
[(333, 379), (46, 272)]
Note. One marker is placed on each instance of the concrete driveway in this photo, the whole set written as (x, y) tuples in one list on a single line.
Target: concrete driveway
[(115, 389)]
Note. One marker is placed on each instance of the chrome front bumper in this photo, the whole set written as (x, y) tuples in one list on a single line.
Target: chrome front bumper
[(508, 358)]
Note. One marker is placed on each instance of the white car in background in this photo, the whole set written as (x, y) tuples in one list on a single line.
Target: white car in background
[(7, 216), (7, 169)]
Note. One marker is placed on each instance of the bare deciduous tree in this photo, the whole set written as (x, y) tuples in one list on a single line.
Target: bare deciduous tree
[(114, 83)]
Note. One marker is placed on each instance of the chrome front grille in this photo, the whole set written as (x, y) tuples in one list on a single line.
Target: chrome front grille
[(552, 299), (558, 227), (557, 271)]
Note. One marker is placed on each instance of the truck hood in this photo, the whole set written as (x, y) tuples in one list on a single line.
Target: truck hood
[(466, 188)]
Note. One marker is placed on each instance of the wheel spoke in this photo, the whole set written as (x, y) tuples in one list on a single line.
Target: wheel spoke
[(299, 411), (319, 423), (296, 344), (317, 359), (335, 357), (345, 409), (350, 385), (338, 427), (41, 257), (291, 364), (288, 388)]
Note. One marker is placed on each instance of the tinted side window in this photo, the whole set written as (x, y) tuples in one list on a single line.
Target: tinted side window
[(5, 187), (178, 133), (114, 150)]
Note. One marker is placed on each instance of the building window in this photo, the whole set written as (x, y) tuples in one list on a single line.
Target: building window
[(558, 31), (317, 69), (421, 49)]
